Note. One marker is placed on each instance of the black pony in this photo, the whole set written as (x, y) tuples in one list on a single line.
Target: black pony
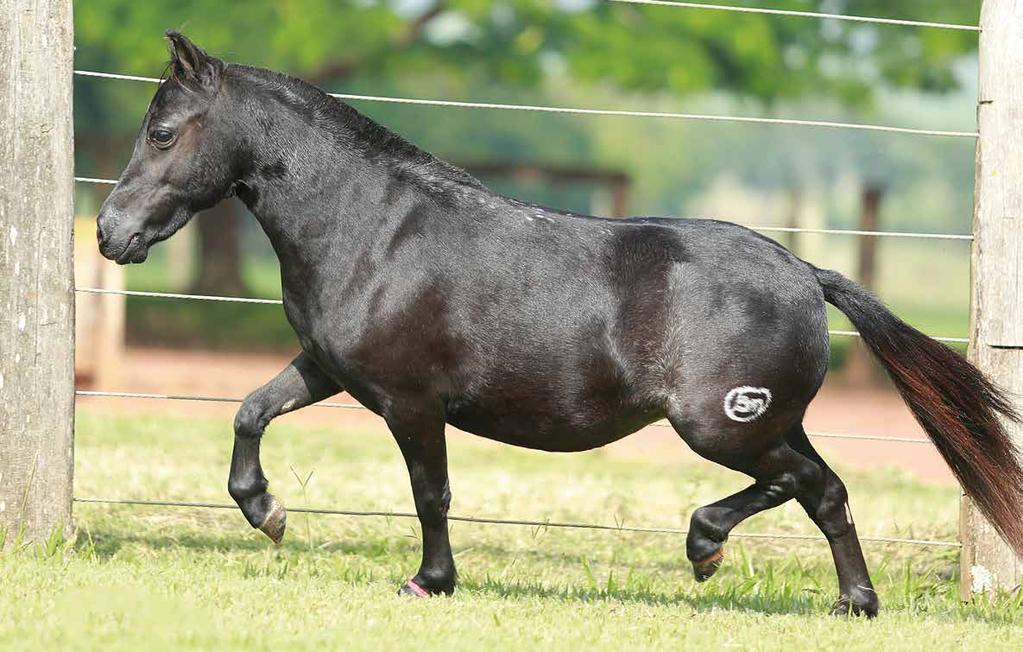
[(432, 300)]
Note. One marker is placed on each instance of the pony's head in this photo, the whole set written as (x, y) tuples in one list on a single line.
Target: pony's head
[(183, 162)]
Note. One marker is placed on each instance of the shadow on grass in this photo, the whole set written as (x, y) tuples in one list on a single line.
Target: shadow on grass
[(105, 544), (752, 596), (702, 602), (777, 589)]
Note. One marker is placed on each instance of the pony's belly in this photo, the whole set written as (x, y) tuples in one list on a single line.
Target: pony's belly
[(546, 432)]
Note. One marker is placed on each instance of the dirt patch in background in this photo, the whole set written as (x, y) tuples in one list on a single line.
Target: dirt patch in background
[(837, 409)]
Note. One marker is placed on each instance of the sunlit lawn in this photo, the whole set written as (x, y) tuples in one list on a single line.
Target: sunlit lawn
[(155, 578)]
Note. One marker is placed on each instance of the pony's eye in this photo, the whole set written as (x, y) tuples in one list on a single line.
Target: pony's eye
[(161, 137)]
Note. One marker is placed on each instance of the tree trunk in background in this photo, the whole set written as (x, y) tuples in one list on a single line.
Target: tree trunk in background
[(870, 220), (860, 368), (220, 262), (620, 196)]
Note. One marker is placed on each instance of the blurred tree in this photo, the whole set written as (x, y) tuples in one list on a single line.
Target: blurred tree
[(517, 41), (219, 263), (518, 44)]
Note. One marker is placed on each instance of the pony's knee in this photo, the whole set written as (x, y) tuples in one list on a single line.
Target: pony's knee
[(251, 419), (438, 502), (433, 504)]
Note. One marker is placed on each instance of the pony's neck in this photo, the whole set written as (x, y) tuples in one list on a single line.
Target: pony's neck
[(317, 174)]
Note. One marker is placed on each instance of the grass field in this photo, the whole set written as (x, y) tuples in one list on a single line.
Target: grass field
[(147, 578)]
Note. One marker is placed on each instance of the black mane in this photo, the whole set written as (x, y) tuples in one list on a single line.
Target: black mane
[(370, 138)]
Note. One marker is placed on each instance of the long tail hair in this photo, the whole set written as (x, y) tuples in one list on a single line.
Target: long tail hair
[(953, 401)]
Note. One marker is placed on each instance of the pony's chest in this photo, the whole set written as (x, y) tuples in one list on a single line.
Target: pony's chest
[(350, 348), (327, 337), (324, 332)]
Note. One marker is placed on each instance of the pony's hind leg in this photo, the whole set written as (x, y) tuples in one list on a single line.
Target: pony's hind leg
[(300, 384), (780, 474), (829, 509), (783, 469)]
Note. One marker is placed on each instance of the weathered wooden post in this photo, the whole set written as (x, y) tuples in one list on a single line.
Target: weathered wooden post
[(996, 328), (36, 285)]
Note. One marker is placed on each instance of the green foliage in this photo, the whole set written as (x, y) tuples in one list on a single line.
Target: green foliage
[(635, 47), (583, 53), (519, 43)]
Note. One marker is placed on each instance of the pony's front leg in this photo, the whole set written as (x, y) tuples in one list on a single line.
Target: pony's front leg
[(420, 435), (300, 384)]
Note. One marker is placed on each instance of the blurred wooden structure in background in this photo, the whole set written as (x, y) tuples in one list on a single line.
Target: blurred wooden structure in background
[(617, 183), (99, 318)]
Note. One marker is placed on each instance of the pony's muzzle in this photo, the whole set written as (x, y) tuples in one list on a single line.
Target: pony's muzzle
[(117, 243), (106, 227)]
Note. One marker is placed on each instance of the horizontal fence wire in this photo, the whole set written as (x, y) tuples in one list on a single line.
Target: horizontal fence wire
[(853, 334), (522, 522), (609, 112), (106, 182), (803, 14), (857, 232), (177, 295), (356, 406), (778, 229), (278, 302)]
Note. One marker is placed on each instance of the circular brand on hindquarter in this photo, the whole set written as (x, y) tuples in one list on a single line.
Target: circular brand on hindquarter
[(744, 404)]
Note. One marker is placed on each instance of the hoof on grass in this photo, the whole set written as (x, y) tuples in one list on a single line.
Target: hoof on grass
[(276, 520), (413, 590), (703, 570), (861, 603)]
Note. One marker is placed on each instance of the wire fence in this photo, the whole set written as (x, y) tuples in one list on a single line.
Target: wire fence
[(591, 112), (777, 229), (606, 112), (355, 406), (802, 14), (278, 302), (522, 522)]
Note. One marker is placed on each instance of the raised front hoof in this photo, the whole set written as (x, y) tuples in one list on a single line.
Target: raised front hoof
[(705, 569), (860, 603), (275, 522)]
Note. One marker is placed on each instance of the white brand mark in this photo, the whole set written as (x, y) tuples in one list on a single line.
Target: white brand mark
[(744, 404)]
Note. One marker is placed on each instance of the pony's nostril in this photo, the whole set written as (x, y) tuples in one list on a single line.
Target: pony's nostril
[(100, 235)]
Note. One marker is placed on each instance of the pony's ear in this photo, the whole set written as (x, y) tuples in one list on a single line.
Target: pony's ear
[(189, 63)]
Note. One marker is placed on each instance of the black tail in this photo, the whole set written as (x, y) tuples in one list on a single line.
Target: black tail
[(952, 400)]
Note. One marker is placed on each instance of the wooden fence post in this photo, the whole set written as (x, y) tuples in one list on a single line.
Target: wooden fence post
[(996, 323), (36, 284)]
